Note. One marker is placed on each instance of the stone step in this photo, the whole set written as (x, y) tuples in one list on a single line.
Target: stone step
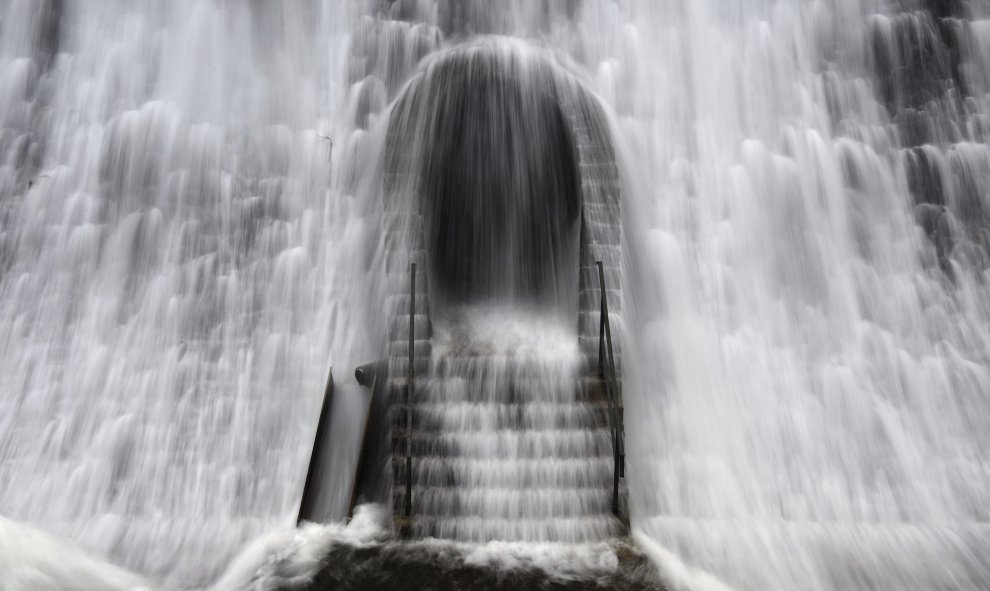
[(505, 503), (590, 300), (398, 262), (590, 389), (523, 473), (399, 366), (574, 530), (397, 305), (460, 416), (588, 277), (590, 344), (589, 324), (397, 283), (603, 232), (609, 254), (599, 170), (600, 190), (399, 348), (591, 363), (398, 328), (543, 443), (593, 152), (603, 212)]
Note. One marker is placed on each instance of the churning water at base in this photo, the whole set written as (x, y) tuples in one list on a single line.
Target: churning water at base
[(359, 555), (185, 245)]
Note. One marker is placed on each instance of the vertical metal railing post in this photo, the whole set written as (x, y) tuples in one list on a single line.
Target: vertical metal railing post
[(410, 384), (606, 367)]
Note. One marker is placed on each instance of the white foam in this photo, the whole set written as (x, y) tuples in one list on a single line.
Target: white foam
[(566, 561), (290, 557), (676, 575), (31, 560)]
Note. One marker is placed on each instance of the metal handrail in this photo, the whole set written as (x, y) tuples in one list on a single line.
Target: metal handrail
[(606, 369), (410, 384)]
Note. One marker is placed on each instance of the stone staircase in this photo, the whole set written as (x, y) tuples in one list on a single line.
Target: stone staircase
[(495, 447), (516, 462)]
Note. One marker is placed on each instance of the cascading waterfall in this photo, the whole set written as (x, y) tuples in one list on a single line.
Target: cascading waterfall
[(169, 281), (817, 319), (189, 236)]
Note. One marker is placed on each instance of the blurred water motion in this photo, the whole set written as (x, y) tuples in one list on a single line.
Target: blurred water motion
[(188, 241)]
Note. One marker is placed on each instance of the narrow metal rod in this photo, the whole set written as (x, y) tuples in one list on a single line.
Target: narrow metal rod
[(611, 370), (601, 342), (610, 393), (603, 360), (620, 432), (410, 384)]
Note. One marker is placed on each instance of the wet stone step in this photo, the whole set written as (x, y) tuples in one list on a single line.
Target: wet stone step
[(397, 304), (599, 170), (506, 472), (609, 254), (590, 389), (588, 277), (600, 190), (399, 324), (601, 212), (506, 503), (593, 152), (589, 323), (520, 394), (553, 443), (591, 300), (603, 233), (397, 282), (475, 529), (590, 343), (399, 366), (468, 416), (400, 348), (398, 261), (591, 363)]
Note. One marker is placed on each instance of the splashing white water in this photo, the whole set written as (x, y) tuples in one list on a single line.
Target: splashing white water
[(289, 559), (31, 560), (677, 575)]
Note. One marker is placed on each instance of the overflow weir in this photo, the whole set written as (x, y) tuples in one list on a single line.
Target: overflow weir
[(497, 414)]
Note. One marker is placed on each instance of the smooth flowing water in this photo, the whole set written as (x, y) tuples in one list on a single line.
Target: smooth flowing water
[(190, 235), (172, 259)]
